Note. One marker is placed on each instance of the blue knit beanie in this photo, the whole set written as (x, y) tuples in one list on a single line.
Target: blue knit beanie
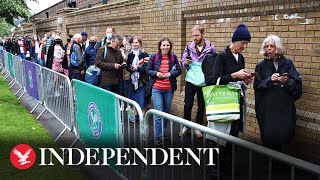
[(241, 34)]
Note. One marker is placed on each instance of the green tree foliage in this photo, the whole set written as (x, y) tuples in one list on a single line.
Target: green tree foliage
[(11, 9), (5, 27)]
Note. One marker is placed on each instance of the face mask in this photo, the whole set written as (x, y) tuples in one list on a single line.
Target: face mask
[(108, 35), (92, 43)]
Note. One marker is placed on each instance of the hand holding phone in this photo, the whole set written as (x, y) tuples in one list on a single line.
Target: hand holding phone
[(253, 73), (188, 61), (123, 65), (284, 74)]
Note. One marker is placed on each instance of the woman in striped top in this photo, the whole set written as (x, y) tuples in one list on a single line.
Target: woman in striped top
[(163, 68)]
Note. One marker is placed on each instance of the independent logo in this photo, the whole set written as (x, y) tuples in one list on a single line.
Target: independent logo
[(94, 120), (22, 156), (30, 79)]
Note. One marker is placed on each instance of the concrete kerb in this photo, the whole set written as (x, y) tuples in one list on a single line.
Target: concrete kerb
[(54, 127)]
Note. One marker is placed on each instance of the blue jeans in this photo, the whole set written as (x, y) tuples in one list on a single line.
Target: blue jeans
[(114, 88), (162, 101), (42, 62), (22, 56), (35, 58), (138, 96)]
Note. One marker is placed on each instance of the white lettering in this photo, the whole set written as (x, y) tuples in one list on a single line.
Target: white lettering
[(119, 156), (94, 156), (139, 154), (70, 150), (172, 156), (154, 156), (105, 155), (190, 152), (211, 154)]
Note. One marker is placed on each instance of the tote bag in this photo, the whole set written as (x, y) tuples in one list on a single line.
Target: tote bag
[(222, 102), (195, 75)]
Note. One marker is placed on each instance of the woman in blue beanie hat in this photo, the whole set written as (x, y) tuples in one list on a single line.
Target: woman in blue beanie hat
[(229, 67)]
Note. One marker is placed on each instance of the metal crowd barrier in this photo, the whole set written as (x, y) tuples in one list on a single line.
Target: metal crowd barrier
[(19, 74), (2, 60), (199, 173), (131, 133), (57, 98), (33, 80), (6, 65), (127, 133)]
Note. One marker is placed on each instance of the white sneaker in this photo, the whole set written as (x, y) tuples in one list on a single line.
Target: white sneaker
[(198, 134), (184, 131)]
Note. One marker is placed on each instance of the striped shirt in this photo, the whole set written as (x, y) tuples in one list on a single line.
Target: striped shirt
[(163, 84)]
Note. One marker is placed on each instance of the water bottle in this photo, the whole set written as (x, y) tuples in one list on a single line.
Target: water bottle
[(131, 115)]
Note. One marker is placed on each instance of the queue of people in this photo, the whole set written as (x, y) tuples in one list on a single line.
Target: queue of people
[(127, 69)]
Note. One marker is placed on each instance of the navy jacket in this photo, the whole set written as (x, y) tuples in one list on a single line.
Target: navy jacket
[(153, 67), (90, 55)]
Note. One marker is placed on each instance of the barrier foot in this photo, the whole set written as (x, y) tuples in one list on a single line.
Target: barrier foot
[(17, 91), (11, 83), (35, 107), (41, 113), (3, 70), (74, 142), (21, 95), (6, 76), (64, 130)]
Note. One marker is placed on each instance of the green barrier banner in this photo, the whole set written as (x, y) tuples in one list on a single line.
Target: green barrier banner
[(97, 114), (10, 64)]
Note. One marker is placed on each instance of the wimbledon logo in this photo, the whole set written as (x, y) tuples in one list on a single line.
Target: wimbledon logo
[(22, 156), (30, 79), (94, 119)]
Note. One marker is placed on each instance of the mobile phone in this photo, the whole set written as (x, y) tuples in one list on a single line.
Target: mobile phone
[(123, 65), (253, 73), (284, 74)]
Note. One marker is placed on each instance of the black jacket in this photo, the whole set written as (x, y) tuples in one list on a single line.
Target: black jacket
[(274, 102), (226, 64)]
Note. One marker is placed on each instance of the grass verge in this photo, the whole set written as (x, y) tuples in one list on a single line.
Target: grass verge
[(18, 126)]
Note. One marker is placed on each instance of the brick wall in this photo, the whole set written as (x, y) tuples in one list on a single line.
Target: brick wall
[(297, 22)]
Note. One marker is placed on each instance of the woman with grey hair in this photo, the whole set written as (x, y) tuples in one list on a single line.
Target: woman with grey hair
[(277, 85)]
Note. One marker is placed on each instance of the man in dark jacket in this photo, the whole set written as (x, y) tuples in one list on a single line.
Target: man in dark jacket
[(111, 66), (90, 52), (77, 72)]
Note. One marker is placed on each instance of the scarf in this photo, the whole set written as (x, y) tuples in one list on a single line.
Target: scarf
[(135, 75)]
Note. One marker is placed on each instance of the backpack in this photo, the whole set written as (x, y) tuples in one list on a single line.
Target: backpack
[(93, 73), (73, 58), (207, 67)]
